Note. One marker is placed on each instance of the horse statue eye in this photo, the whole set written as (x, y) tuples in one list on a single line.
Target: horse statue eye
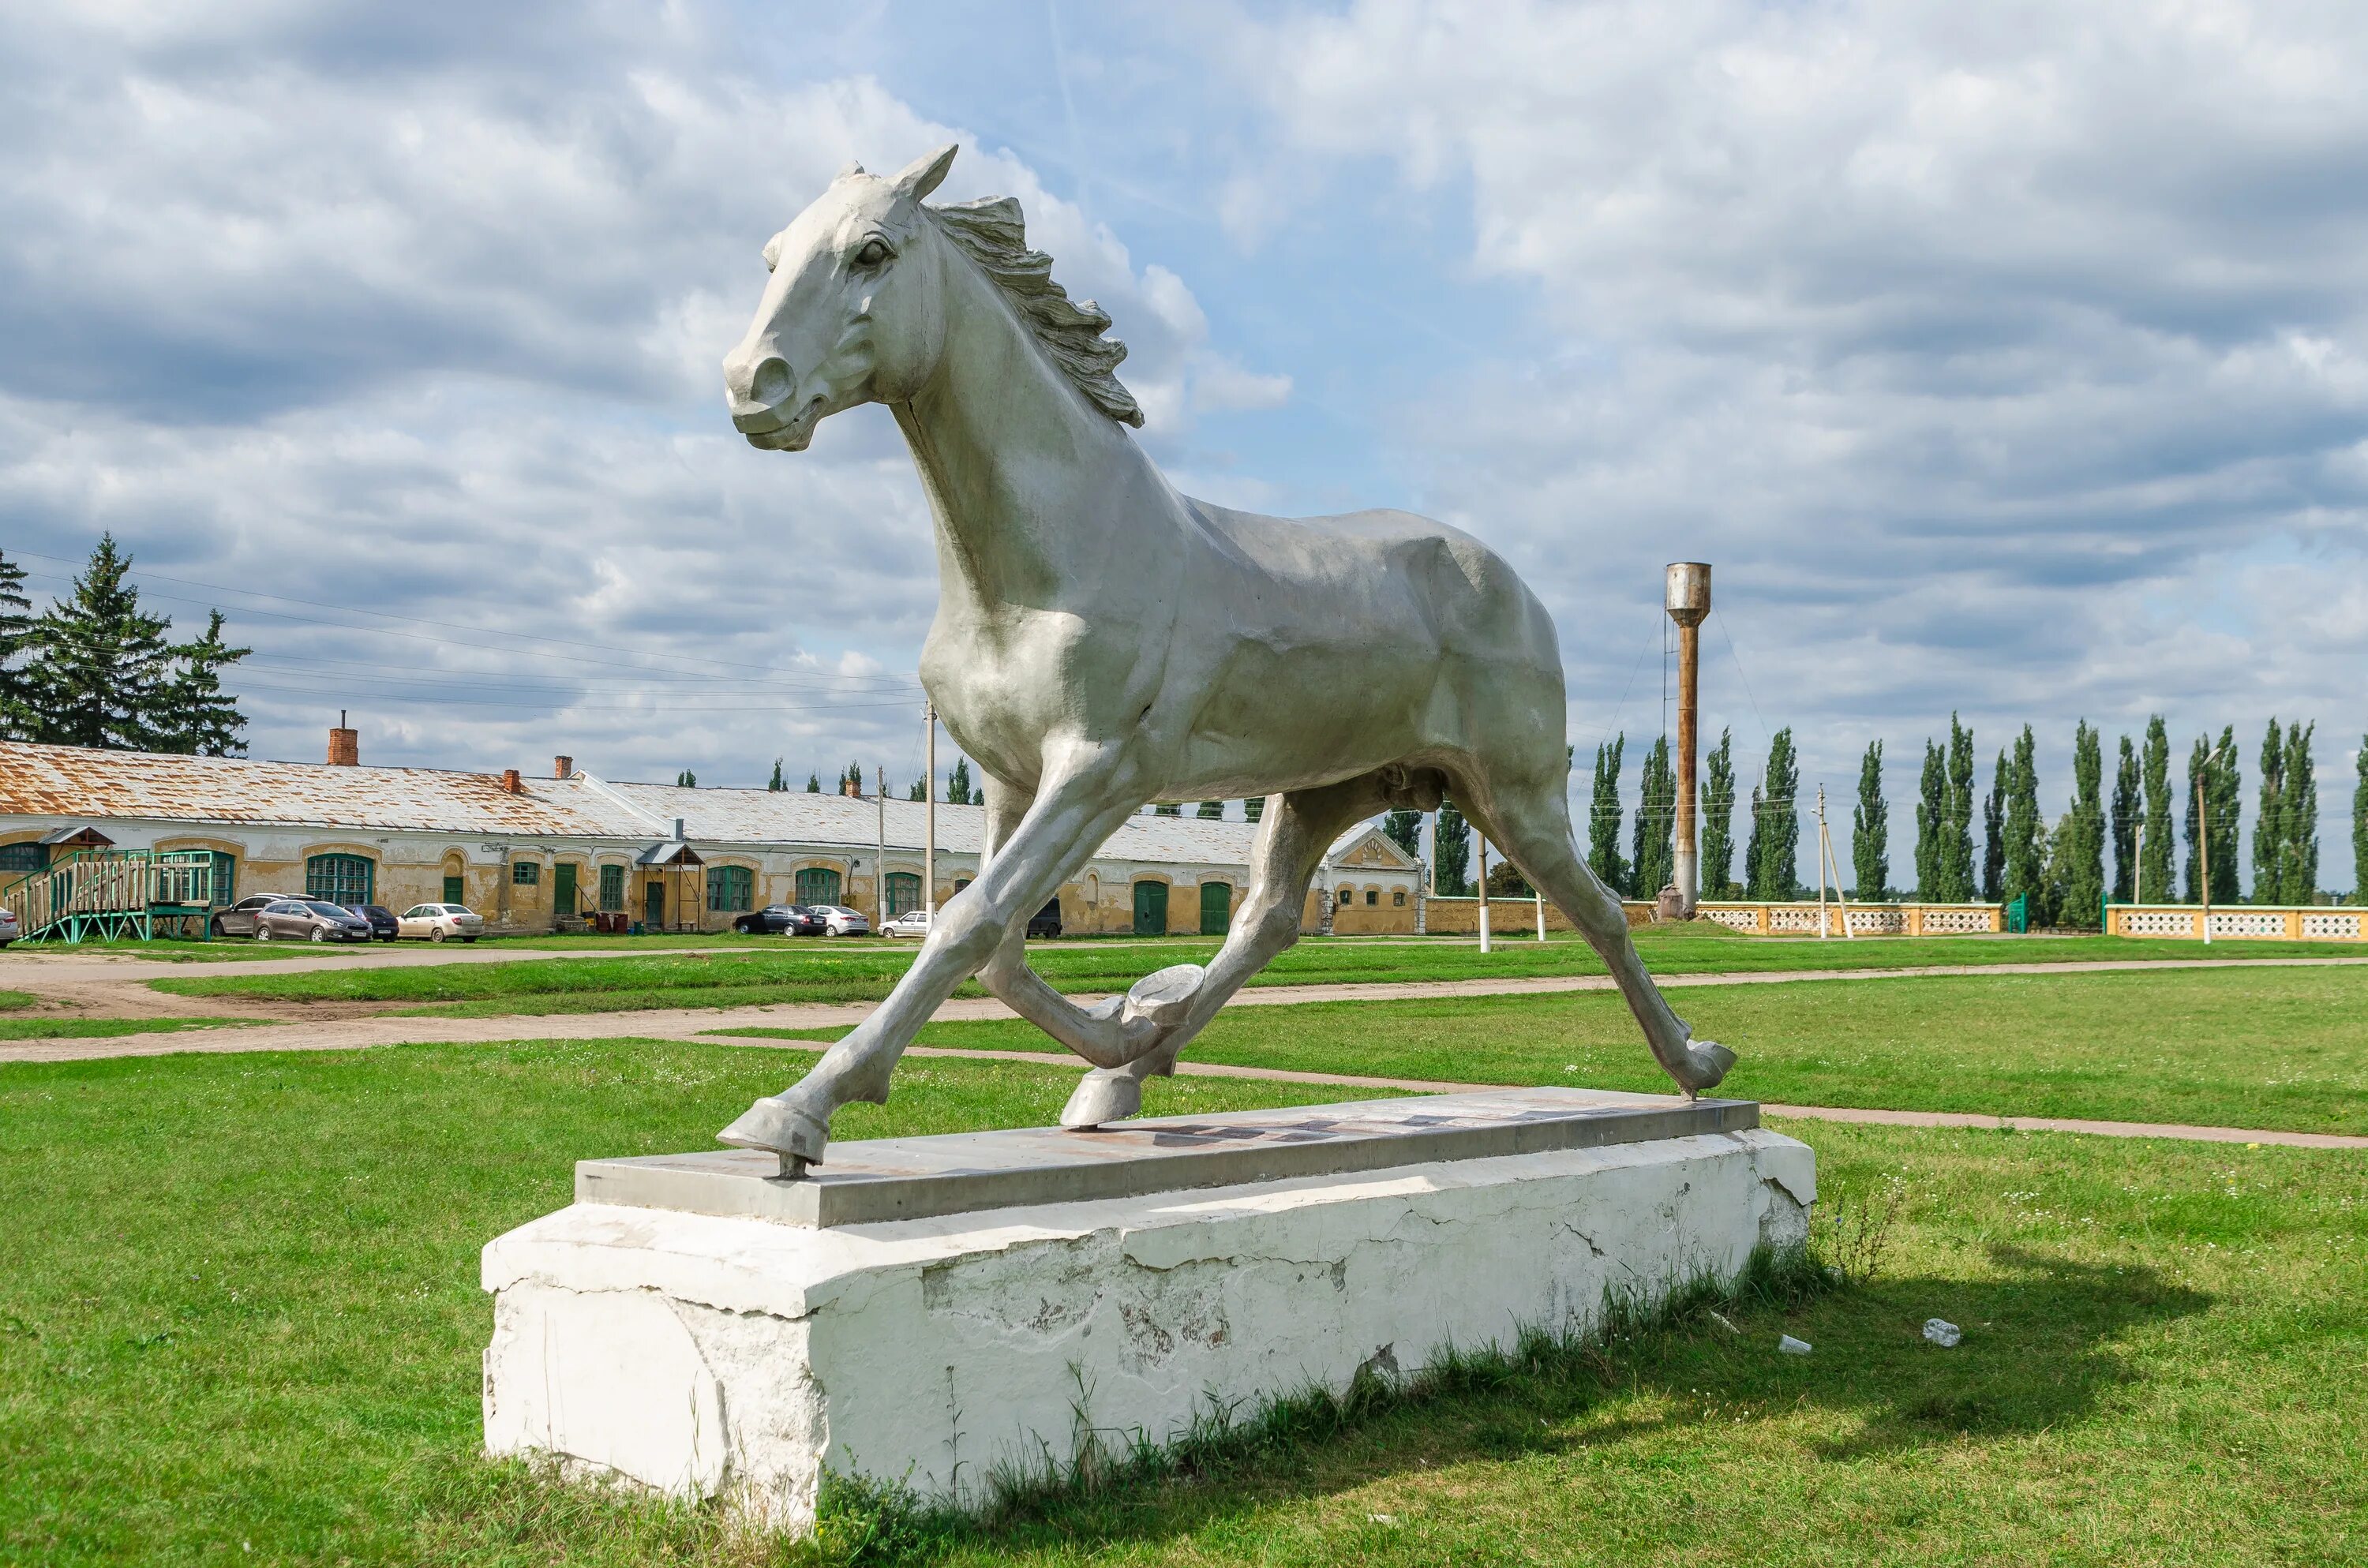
[(874, 254)]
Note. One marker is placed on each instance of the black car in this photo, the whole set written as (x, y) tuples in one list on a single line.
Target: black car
[(382, 924), (779, 920), (1046, 922)]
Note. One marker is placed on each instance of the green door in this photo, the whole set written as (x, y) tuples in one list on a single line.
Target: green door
[(653, 904), (1216, 908), (1151, 909), (563, 889), (453, 888)]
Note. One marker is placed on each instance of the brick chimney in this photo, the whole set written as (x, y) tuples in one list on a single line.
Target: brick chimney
[(510, 781), (850, 786), (345, 745), (561, 767)]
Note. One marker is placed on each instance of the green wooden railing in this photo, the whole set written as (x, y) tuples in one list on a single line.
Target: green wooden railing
[(113, 893)]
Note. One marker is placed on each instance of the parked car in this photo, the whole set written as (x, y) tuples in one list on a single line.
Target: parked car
[(1046, 922), (238, 920), (838, 920), (781, 920), (9, 929), (439, 922), (382, 924), (912, 923), (308, 920)]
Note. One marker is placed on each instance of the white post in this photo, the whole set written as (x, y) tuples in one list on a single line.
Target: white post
[(929, 815), (1541, 899), (1481, 845)]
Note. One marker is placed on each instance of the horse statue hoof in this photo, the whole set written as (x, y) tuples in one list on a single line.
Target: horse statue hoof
[(782, 1126), (1104, 1095), (1164, 996), (1710, 1062)]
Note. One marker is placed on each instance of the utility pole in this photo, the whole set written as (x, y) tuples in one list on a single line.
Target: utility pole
[(880, 866), (1828, 860), (929, 814), (1687, 599)]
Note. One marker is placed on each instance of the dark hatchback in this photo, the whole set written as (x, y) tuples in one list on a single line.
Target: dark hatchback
[(382, 924), (781, 920)]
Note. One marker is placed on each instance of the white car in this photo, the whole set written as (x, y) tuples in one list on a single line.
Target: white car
[(9, 929), (840, 921), (439, 922), (912, 923)]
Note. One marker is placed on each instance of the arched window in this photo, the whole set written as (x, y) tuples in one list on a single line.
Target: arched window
[(904, 892), (817, 884), (339, 879), (731, 888)]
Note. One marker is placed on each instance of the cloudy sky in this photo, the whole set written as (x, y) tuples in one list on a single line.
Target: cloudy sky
[(2008, 359)]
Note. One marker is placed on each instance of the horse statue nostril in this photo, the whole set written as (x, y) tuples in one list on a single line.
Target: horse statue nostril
[(772, 383)]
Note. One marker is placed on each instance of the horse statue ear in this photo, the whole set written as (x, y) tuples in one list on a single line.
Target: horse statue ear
[(925, 173), (849, 172)]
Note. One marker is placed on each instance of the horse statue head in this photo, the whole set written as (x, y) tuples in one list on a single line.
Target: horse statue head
[(863, 287)]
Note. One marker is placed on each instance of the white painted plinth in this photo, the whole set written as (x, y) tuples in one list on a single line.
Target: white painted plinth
[(699, 1354)]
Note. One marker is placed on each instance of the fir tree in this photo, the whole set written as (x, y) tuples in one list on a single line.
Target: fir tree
[(1957, 843), (1212, 811), (2077, 871), (100, 662), (17, 720), (2024, 874), (1773, 857), (1254, 808), (1404, 830), (1603, 819), (1931, 822), (196, 720), (2269, 825), (2155, 845), (1450, 840), (1870, 830), (957, 787), (2128, 805), (1994, 835), (1718, 820), (1654, 845), (814, 783), (2298, 863)]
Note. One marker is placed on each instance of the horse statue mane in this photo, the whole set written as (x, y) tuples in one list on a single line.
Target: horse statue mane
[(992, 232)]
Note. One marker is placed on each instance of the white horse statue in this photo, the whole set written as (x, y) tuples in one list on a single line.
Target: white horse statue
[(1103, 641)]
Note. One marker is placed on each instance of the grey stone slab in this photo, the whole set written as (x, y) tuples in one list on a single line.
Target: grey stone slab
[(910, 1178)]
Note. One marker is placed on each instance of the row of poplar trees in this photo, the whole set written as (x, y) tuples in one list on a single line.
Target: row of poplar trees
[(94, 669)]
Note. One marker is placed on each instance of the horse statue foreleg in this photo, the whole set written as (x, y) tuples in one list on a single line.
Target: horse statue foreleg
[(1068, 822), (1292, 837)]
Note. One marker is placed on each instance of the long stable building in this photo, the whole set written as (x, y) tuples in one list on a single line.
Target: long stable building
[(535, 854)]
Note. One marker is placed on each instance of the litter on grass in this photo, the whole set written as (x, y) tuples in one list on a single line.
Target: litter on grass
[(1942, 1333), (1792, 1346)]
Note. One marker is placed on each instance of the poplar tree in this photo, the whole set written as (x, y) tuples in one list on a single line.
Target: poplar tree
[(1654, 866), (1931, 815), (1718, 820), (1253, 809), (917, 790), (2269, 825), (958, 786), (1957, 844), (1870, 829), (1167, 809), (852, 781), (2077, 871), (17, 720), (1212, 811), (776, 784), (685, 780), (1994, 835), (2155, 850), (1603, 818), (1775, 854), (1404, 830), (2127, 804), (1450, 849), (100, 662), (2215, 768), (2298, 859), (814, 783), (2025, 872), (196, 718), (2360, 825)]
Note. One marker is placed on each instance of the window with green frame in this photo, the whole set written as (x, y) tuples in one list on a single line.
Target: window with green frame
[(817, 884), (904, 892), (731, 888), (225, 889), (526, 873), (18, 858), (339, 879), (612, 888)]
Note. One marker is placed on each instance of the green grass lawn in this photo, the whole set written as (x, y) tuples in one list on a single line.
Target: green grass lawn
[(2268, 1047), (241, 1322), (62, 1026), (857, 971), (16, 1001)]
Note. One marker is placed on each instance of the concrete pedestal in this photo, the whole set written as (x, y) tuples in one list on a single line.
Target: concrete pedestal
[(745, 1348)]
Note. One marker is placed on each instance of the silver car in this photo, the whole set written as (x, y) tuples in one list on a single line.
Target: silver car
[(308, 920), (439, 922)]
